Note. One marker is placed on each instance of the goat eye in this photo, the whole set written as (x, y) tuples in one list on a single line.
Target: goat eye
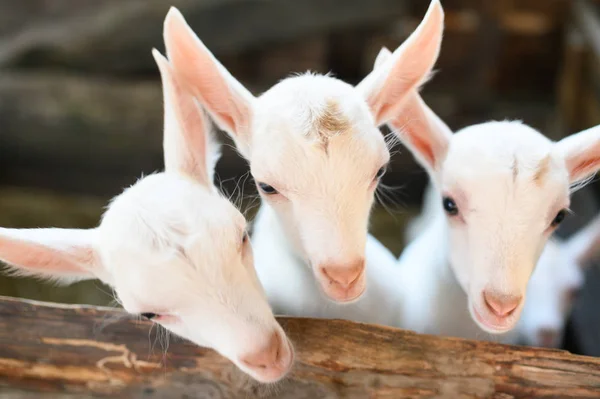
[(450, 206), (560, 216), (381, 172), (265, 188), (245, 237), (149, 316)]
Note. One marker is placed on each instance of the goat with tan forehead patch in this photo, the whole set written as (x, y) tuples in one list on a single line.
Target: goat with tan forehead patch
[(316, 154), (501, 188), (173, 248)]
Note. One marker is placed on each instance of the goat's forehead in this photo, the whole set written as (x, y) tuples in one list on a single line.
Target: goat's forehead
[(314, 123), (304, 104), (167, 211), (343, 161), (497, 139), (501, 151), (308, 88)]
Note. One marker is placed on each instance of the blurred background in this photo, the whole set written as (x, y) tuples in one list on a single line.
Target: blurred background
[(81, 104)]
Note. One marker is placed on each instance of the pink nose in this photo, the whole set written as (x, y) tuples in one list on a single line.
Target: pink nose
[(267, 357), (344, 275), (501, 305), (343, 282), (548, 337)]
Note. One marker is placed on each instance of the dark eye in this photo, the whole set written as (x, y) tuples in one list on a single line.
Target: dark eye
[(149, 316), (245, 237), (265, 188), (381, 172), (450, 206), (560, 216)]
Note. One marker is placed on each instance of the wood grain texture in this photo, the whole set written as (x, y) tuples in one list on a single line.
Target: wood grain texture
[(96, 36), (66, 351)]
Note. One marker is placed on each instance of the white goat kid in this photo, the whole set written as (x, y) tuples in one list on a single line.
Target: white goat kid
[(317, 155), (173, 248), (552, 288), (558, 277), (504, 188)]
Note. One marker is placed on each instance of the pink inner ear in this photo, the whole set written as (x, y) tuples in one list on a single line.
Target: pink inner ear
[(39, 259), (190, 143), (584, 167), (186, 127), (424, 149), (415, 128), (411, 65), (208, 78)]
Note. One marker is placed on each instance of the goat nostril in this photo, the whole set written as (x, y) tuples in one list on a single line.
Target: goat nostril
[(345, 276), (500, 304), (268, 356), (278, 352)]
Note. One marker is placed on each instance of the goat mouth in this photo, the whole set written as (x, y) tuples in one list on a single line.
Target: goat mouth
[(493, 324), (347, 299), (342, 295)]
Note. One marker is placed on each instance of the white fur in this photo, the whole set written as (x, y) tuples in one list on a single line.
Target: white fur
[(433, 301), (557, 277), (172, 245), (503, 226), (313, 232), (505, 213), (292, 289)]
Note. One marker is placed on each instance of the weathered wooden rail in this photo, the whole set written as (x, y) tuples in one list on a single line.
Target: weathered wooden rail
[(81, 351)]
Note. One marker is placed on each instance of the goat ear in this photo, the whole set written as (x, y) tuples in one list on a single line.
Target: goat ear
[(187, 131), (409, 67), (226, 99), (581, 152), (419, 128), (384, 55), (61, 254), (585, 244), (422, 132)]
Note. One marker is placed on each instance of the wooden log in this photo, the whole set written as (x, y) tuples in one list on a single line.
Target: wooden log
[(571, 81), (98, 36), (586, 17), (72, 351), (83, 135)]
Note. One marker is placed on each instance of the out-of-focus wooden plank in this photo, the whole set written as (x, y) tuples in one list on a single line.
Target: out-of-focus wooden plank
[(587, 20), (62, 350), (112, 36), (571, 80)]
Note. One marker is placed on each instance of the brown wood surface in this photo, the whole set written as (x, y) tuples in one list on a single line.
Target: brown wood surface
[(97, 36), (66, 351)]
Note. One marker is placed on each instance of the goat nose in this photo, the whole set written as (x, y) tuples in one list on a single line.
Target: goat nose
[(268, 356), (501, 305), (548, 337), (344, 275)]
